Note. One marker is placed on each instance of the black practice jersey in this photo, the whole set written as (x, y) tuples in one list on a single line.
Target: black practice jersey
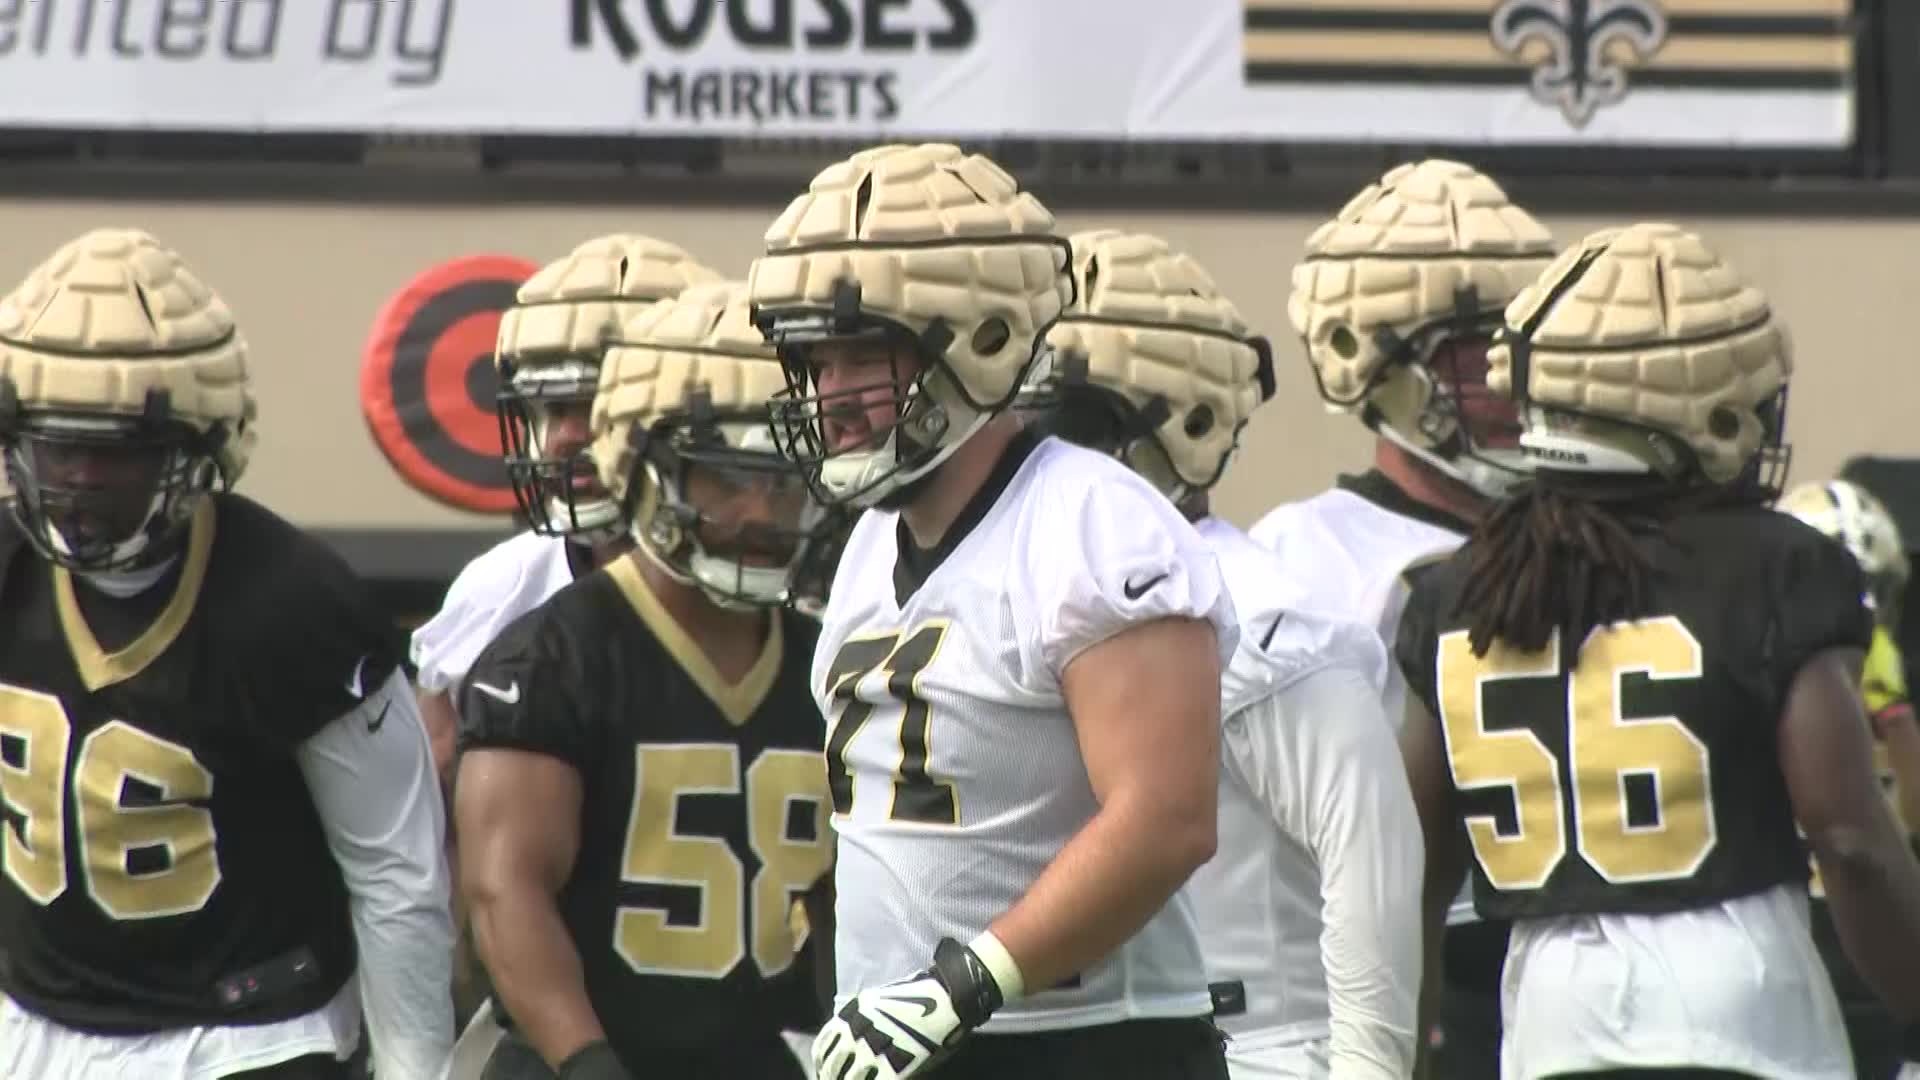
[(704, 812), (1644, 776), (164, 864)]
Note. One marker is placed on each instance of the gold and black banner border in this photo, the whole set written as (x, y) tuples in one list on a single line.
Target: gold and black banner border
[(1804, 45)]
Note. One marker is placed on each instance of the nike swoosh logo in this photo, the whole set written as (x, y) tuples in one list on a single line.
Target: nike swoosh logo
[(509, 696), (927, 1005), (353, 684), (378, 722), (1268, 640), (1135, 592)]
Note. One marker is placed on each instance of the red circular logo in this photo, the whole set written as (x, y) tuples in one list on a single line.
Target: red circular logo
[(427, 382)]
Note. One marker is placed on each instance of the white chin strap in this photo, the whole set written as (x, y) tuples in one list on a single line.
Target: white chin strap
[(121, 584), (125, 550), (733, 584), (725, 582), (593, 521), (862, 478), (1492, 473)]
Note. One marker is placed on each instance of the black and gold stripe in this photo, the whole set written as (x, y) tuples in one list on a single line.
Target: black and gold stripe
[(1717, 44)]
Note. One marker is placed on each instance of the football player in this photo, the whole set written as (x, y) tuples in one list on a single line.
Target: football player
[(1395, 302), (1850, 514), (1020, 656), (219, 802), (1155, 367), (640, 795), (548, 359), (1636, 676)]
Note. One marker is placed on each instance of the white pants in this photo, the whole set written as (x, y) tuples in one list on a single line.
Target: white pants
[(1308, 1060), (35, 1048), (1737, 986)]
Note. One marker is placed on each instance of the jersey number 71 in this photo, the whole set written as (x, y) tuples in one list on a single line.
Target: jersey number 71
[(917, 795)]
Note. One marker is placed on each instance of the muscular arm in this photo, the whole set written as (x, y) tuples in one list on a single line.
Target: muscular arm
[(371, 778), (443, 724), (1145, 704), (1425, 758), (518, 814), (1872, 879), (1324, 761)]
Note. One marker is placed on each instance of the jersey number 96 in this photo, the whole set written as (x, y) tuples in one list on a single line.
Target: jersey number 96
[(142, 857)]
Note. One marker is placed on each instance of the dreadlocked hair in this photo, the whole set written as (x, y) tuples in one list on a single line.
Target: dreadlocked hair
[(1565, 553)]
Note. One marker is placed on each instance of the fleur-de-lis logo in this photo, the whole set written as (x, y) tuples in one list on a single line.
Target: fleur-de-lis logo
[(1578, 75)]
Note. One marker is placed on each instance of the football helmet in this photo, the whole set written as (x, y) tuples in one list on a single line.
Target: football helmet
[(548, 359), (923, 251), (1395, 301), (1852, 515), (124, 401), (683, 444), (1640, 350), (1151, 364), (820, 560)]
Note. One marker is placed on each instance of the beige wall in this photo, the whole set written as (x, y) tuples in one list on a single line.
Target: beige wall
[(306, 278)]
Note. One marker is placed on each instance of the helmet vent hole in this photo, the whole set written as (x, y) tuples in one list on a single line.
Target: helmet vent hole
[(862, 199), (146, 305), (1093, 278), (1722, 423), (991, 336), (1660, 291), (1199, 421), (1343, 343)]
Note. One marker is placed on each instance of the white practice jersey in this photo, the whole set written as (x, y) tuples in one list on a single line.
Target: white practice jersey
[(508, 580), (955, 769), (1311, 779), (1349, 550)]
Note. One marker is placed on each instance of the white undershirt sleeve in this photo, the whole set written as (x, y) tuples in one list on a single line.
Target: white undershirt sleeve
[(1321, 755), (373, 782)]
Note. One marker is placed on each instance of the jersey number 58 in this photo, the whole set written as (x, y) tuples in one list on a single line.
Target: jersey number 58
[(735, 910)]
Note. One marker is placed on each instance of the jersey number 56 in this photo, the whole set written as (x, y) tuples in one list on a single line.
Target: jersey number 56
[(1607, 751)]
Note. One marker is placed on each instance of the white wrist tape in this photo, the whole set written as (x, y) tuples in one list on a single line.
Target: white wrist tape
[(999, 963)]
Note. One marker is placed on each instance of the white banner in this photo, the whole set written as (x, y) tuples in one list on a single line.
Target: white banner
[(1669, 73)]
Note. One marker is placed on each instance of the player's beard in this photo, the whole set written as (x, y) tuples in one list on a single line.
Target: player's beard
[(904, 495), (755, 545)]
